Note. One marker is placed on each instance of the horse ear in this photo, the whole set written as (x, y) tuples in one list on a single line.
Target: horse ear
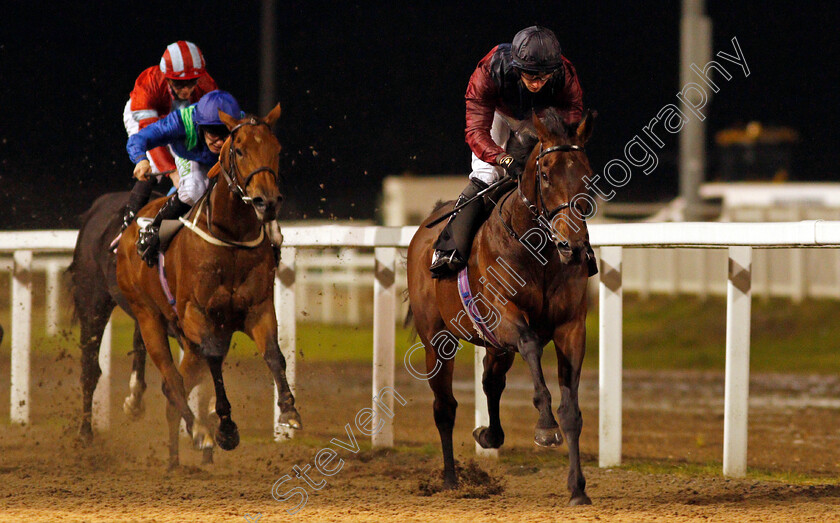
[(585, 127), (214, 171), (228, 120), (542, 131), (273, 116)]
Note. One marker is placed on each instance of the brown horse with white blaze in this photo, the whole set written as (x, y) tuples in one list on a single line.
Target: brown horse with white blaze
[(221, 275), (526, 292)]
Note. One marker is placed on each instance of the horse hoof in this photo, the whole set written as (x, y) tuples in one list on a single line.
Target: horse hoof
[(228, 435), (207, 457), (548, 437), (85, 436), (202, 437), (582, 499), (134, 410), (450, 483), (290, 419), (486, 439)]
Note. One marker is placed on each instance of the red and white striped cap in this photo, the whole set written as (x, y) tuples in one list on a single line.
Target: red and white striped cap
[(182, 61)]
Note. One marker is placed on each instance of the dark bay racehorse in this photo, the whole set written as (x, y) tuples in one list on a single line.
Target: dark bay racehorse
[(221, 276), (528, 274), (95, 292)]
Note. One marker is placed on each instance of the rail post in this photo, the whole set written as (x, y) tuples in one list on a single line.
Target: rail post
[(284, 308), (102, 393), (21, 336), (737, 388), (384, 336), (610, 358), (53, 296)]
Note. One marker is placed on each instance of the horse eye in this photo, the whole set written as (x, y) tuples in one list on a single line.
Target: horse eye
[(238, 151)]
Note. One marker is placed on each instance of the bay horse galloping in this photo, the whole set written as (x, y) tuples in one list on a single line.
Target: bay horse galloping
[(95, 295), (528, 275), (220, 276)]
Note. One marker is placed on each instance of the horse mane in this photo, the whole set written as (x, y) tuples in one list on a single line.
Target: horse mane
[(440, 204), (553, 121)]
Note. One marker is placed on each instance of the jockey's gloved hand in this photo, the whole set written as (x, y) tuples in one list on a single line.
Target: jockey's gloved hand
[(513, 168)]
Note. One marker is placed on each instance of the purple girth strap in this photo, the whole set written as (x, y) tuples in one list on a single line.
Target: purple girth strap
[(469, 305), (165, 284)]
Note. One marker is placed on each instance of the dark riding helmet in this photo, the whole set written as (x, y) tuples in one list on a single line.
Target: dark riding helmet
[(535, 49), (207, 109)]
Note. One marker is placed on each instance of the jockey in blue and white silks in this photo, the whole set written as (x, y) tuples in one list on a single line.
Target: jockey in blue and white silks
[(196, 135)]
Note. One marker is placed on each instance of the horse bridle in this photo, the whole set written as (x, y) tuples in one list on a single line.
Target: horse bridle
[(232, 177), (541, 213)]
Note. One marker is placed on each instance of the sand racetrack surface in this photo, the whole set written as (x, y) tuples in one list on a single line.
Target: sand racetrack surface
[(673, 419)]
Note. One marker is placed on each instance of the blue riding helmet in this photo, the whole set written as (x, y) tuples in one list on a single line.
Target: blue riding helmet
[(207, 109)]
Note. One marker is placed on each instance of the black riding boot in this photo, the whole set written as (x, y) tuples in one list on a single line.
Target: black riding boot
[(452, 248), (148, 239), (139, 197)]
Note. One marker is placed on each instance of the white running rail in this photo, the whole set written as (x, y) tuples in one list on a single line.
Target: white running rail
[(739, 238)]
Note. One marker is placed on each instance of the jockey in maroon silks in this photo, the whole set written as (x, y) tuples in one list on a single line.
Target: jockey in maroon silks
[(510, 84)]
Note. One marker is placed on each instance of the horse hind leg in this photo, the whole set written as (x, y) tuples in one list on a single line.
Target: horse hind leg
[(547, 432), (173, 423), (133, 406), (445, 406), (92, 326), (157, 345), (493, 383)]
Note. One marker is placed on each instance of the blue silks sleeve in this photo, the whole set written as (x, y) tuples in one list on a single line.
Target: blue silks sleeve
[(163, 132)]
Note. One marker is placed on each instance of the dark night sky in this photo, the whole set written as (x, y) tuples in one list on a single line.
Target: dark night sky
[(378, 90)]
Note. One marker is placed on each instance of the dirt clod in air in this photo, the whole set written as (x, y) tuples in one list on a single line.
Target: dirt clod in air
[(473, 483)]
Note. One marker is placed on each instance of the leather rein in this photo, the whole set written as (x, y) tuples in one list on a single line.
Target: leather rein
[(542, 215)]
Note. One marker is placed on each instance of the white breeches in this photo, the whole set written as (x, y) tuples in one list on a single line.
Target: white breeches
[(503, 130)]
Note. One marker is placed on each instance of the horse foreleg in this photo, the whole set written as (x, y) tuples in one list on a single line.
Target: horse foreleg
[(133, 405), (262, 328), (204, 392), (570, 344), (227, 435), (194, 370), (493, 383), (547, 432)]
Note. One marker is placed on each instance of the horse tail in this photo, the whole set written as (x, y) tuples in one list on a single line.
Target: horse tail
[(72, 272), (409, 319)]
